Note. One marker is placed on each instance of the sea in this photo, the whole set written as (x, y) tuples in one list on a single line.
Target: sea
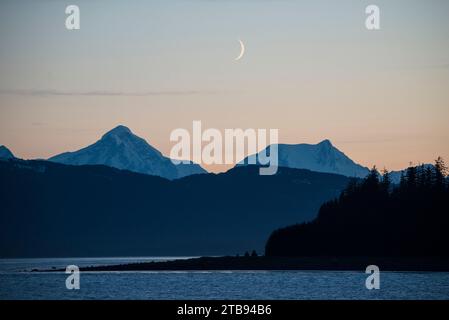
[(17, 281)]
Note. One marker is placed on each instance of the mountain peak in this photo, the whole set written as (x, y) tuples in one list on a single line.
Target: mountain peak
[(320, 157), (5, 153), (118, 131), (326, 142), (122, 149)]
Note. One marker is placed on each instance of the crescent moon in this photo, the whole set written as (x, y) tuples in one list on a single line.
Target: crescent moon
[(242, 51)]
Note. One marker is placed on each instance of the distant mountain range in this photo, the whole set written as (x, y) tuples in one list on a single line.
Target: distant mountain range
[(121, 149), (51, 209), (5, 153)]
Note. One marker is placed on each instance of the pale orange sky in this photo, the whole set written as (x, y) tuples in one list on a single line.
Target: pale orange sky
[(311, 70)]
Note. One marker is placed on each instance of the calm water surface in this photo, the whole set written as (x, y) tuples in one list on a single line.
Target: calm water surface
[(17, 282)]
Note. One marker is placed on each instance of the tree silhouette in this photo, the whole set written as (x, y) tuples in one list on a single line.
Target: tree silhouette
[(440, 172), (372, 217), (386, 180)]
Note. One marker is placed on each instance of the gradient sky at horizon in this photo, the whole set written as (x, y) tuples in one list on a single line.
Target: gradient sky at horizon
[(311, 69)]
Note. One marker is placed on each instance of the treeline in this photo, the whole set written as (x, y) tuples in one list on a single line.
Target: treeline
[(373, 217)]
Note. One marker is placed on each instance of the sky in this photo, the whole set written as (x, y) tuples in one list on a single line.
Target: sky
[(311, 69)]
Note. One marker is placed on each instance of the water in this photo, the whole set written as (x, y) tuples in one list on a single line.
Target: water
[(17, 282)]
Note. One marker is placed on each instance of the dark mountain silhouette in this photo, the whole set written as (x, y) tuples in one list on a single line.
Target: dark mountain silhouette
[(51, 209), (5, 153), (122, 149), (374, 218)]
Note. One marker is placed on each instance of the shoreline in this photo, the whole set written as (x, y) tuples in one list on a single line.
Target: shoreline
[(262, 263)]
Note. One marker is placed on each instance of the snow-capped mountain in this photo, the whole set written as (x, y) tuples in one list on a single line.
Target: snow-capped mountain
[(321, 157), (120, 148), (5, 153)]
